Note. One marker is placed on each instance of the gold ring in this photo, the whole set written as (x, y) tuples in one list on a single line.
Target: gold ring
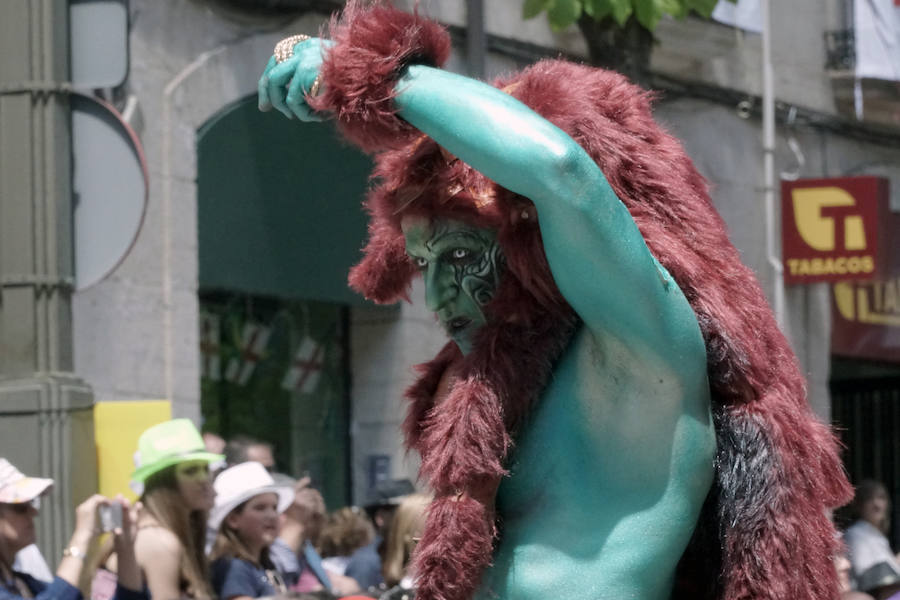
[(314, 88), (285, 48)]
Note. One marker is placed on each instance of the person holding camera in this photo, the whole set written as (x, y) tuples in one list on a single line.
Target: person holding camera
[(20, 497)]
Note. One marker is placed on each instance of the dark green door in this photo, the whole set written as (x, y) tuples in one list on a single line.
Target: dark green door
[(279, 225)]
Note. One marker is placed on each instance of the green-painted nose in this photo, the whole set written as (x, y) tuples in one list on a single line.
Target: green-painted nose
[(440, 286)]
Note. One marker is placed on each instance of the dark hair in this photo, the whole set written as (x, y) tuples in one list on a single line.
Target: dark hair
[(237, 447), (866, 490)]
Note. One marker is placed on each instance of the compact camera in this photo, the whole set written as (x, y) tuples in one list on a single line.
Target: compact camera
[(110, 516)]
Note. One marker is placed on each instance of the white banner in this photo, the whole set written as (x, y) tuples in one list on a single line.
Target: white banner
[(745, 14), (877, 33)]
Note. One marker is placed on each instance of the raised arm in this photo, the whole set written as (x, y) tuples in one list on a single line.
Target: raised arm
[(596, 252)]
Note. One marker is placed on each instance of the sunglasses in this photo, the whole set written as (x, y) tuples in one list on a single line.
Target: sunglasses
[(23, 508)]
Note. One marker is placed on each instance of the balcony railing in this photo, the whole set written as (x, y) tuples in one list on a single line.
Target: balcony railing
[(840, 50)]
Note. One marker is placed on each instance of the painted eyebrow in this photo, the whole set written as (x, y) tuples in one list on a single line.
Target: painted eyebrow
[(467, 235)]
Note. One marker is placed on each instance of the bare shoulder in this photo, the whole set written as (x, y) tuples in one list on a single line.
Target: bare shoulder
[(156, 541), (159, 555)]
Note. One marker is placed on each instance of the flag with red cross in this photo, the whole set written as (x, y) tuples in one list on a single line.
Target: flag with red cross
[(254, 339), (306, 368)]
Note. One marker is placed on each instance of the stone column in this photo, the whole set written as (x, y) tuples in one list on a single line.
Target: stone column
[(46, 420)]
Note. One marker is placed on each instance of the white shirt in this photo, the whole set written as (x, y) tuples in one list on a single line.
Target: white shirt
[(30, 560), (336, 564), (866, 547)]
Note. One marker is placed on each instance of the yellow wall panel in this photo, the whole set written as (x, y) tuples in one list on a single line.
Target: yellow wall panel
[(117, 427)]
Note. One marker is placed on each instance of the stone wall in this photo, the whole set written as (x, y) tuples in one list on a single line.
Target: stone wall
[(136, 333)]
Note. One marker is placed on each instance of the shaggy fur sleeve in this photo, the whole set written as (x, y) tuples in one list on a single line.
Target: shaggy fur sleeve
[(372, 46)]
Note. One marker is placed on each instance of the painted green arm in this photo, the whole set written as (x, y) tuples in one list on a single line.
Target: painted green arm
[(596, 252)]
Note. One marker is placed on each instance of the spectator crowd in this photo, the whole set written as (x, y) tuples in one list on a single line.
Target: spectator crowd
[(869, 569), (214, 520)]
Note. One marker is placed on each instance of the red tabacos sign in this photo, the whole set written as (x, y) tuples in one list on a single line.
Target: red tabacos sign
[(865, 321), (833, 229)]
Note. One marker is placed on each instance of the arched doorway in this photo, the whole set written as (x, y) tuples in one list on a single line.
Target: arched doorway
[(279, 225)]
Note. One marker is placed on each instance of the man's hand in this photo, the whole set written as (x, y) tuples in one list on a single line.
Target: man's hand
[(304, 517), (284, 85), (308, 505)]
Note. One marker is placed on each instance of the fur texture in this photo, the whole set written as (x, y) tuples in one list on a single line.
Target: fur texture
[(465, 525), (372, 45), (764, 533)]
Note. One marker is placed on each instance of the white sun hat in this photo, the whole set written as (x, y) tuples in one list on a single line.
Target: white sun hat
[(16, 487), (235, 485)]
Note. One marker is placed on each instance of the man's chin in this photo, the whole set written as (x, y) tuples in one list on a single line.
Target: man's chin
[(463, 342)]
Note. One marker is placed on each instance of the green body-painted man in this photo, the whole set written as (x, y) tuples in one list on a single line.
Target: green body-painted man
[(609, 475)]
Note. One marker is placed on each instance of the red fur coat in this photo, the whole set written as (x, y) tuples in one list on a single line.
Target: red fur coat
[(764, 532)]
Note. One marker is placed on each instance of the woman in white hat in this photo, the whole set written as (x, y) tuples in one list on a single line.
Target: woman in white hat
[(20, 497), (245, 517), (174, 482)]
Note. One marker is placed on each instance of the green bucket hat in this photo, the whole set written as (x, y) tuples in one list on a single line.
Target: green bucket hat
[(168, 444)]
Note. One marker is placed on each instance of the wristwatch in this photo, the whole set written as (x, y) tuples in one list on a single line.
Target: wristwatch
[(74, 552)]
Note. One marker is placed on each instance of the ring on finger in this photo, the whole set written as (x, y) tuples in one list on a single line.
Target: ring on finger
[(285, 48), (314, 88)]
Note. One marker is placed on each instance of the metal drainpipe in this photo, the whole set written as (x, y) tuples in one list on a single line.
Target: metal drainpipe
[(476, 40), (768, 131)]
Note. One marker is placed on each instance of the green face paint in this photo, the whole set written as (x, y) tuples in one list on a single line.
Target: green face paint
[(461, 265)]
